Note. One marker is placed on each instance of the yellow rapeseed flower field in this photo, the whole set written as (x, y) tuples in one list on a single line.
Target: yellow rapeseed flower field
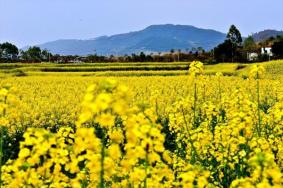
[(193, 130)]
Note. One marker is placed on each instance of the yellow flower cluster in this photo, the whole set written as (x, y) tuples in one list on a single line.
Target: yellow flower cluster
[(8, 99), (264, 173), (196, 68), (114, 144), (154, 132), (4, 92), (257, 71)]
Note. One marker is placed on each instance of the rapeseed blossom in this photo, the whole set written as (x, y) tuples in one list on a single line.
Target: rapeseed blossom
[(149, 134), (196, 68)]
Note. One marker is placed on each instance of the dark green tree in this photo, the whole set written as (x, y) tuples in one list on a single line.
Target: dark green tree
[(235, 37), (249, 44), (279, 38), (142, 57), (46, 55), (33, 54), (179, 53), (1, 52), (277, 49), (9, 51), (223, 52), (200, 50)]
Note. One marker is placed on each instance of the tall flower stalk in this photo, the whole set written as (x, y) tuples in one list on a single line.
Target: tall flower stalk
[(3, 97), (196, 68), (1, 153), (256, 72), (101, 184), (219, 76)]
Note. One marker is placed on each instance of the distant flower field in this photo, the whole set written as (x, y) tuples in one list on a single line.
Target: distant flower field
[(200, 128)]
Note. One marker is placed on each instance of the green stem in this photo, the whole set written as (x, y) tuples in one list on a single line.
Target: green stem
[(1, 143), (156, 107), (193, 151), (146, 167), (102, 162), (258, 107), (1, 153), (219, 90), (195, 104)]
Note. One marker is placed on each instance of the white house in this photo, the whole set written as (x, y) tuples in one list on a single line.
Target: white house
[(267, 51), (252, 56)]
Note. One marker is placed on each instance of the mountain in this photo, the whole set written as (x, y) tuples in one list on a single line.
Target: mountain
[(266, 34), (155, 38)]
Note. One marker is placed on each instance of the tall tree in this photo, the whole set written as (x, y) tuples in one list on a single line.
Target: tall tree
[(277, 48), (33, 54), (1, 51), (223, 52), (142, 57), (9, 51), (179, 52), (200, 50), (235, 37), (46, 55), (172, 52), (249, 44)]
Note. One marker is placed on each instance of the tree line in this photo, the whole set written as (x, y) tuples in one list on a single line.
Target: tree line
[(233, 49), (10, 53)]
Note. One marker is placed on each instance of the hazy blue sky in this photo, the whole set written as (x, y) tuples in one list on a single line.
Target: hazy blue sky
[(28, 22)]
